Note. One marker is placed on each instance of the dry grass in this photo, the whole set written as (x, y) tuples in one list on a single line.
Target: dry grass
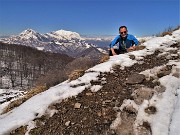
[(39, 122), (19, 131), (168, 31), (28, 95), (142, 41), (140, 47), (76, 74), (104, 58), (80, 72), (178, 27)]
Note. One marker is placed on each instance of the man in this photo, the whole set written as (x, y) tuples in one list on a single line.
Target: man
[(127, 42)]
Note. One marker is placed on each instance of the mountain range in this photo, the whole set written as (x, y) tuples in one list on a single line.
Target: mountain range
[(60, 41)]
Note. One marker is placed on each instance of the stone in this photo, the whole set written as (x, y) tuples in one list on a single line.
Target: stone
[(150, 110), (89, 94), (135, 78), (99, 114), (67, 123), (141, 94), (132, 57), (77, 105), (106, 101), (163, 73)]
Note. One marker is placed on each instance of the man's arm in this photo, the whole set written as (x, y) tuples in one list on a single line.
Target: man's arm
[(136, 43), (115, 41)]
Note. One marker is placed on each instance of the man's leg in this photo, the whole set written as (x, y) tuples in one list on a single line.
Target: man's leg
[(122, 51), (110, 52)]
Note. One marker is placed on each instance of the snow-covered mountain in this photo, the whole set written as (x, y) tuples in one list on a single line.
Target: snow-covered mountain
[(61, 41), (62, 34)]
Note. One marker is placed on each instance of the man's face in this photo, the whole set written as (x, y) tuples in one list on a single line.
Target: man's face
[(123, 32)]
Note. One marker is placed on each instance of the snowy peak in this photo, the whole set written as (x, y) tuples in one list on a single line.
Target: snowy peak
[(31, 34), (28, 31), (63, 34), (67, 33)]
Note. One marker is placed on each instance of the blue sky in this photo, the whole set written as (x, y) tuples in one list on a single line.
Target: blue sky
[(89, 17)]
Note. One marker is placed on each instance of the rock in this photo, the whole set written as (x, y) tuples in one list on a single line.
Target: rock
[(103, 82), (163, 73), (71, 133), (159, 89), (176, 75), (168, 57), (67, 123), (89, 94), (132, 57), (151, 110), (99, 114), (84, 119), (168, 67), (77, 105), (141, 94), (176, 72), (106, 101), (135, 78)]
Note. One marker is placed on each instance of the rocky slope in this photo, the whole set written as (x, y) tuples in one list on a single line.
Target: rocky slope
[(133, 93), (95, 113)]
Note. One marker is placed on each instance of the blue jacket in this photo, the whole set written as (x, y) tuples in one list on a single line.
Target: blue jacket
[(129, 41)]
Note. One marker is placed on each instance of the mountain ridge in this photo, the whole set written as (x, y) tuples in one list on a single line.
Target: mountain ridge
[(60, 41)]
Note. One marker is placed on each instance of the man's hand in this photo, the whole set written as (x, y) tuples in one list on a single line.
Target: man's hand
[(113, 52), (132, 48)]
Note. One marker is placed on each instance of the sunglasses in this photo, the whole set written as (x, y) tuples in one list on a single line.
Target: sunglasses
[(124, 32)]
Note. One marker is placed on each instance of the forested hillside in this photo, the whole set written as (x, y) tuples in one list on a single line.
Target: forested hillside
[(21, 66)]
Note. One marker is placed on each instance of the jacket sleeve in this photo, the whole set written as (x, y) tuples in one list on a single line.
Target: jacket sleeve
[(136, 42), (115, 41)]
